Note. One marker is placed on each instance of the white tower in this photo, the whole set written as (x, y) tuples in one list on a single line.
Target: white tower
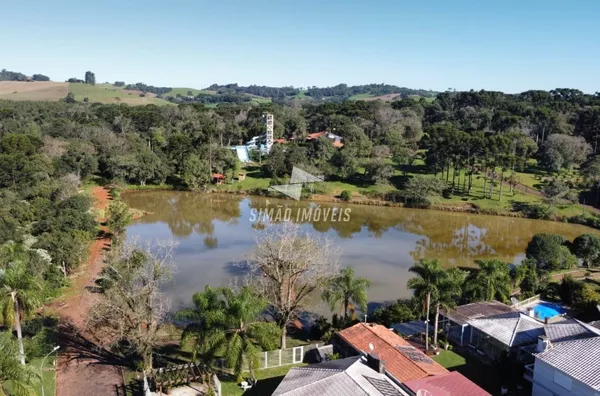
[(268, 117)]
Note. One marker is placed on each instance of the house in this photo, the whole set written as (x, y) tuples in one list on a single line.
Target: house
[(405, 364), (566, 368), (337, 140), (455, 321), (351, 376), (402, 361), (503, 334), (453, 383), (218, 178)]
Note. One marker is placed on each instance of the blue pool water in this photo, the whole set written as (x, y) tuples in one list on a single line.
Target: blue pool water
[(545, 310)]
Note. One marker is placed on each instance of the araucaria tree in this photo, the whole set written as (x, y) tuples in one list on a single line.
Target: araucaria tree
[(286, 266), (344, 290), (225, 319), (20, 294), (132, 307)]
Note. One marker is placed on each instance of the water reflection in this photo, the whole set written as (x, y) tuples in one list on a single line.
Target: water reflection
[(380, 242)]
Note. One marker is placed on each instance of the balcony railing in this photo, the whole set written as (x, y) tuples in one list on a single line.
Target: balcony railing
[(528, 375)]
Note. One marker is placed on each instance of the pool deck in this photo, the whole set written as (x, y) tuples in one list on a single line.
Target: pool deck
[(535, 302)]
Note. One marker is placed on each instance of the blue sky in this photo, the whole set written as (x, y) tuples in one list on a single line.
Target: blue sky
[(495, 45)]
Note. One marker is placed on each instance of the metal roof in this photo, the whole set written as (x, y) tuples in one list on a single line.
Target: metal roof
[(580, 359), (463, 313), (511, 329), (569, 329), (342, 377), (406, 329)]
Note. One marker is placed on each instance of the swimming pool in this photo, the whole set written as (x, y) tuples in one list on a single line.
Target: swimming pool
[(543, 310)]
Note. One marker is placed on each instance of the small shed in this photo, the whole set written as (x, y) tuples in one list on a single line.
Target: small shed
[(241, 176), (218, 178)]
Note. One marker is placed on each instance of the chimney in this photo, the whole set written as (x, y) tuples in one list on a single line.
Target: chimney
[(543, 344), (531, 312), (375, 363)]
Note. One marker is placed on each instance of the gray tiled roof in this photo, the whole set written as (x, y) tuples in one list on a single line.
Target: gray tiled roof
[(512, 329), (349, 376), (463, 313), (580, 359), (569, 329)]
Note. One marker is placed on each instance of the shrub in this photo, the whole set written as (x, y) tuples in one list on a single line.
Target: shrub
[(346, 195)]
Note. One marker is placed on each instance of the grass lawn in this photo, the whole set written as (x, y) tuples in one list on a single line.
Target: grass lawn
[(49, 375), (268, 380), (184, 92), (108, 93), (449, 359), (361, 96)]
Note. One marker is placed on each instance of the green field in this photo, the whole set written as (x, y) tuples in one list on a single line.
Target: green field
[(361, 96), (108, 93), (184, 92)]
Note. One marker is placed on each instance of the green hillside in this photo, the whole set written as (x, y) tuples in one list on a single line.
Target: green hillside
[(108, 93)]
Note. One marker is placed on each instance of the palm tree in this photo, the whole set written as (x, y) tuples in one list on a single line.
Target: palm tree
[(425, 285), (229, 320), (344, 289), (21, 378), (20, 294), (491, 282), (449, 291)]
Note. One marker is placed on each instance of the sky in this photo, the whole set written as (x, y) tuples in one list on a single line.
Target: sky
[(509, 46)]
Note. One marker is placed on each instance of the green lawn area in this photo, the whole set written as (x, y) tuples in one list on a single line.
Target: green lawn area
[(49, 375), (268, 380), (361, 96), (108, 93), (449, 359), (184, 92)]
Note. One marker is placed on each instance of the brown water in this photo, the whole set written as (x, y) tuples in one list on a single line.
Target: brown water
[(215, 231)]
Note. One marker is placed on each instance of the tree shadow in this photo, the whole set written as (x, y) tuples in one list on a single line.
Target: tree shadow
[(76, 346), (264, 386)]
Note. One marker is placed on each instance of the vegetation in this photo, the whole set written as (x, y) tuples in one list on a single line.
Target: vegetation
[(15, 379), (229, 320), (346, 291)]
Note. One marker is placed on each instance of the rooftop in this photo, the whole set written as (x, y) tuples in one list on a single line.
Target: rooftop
[(350, 376), (403, 361), (570, 329), (511, 329), (464, 313), (580, 359), (451, 384), (407, 329)]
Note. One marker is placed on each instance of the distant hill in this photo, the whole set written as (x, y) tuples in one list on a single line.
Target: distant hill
[(18, 86)]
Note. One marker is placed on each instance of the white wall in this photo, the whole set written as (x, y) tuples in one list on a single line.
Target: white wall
[(544, 383)]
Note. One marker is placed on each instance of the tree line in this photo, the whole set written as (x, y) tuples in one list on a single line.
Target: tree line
[(6, 75)]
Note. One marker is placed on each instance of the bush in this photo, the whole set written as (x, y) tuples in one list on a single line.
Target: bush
[(346, 195)]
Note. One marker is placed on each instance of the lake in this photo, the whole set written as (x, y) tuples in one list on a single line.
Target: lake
[(215, 231)]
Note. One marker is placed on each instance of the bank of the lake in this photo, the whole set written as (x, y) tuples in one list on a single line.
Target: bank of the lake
[(215, 231)]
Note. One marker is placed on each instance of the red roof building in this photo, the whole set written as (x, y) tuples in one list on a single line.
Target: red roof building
[(451, 384), (402, 360)]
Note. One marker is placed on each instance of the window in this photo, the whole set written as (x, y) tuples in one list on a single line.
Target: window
[(562, 380)]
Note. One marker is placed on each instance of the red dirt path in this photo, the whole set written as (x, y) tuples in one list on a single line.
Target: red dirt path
[(84, 368)]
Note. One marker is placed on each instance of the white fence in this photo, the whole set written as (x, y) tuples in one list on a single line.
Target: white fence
[(526, 301), (216, 385), (276, 358)]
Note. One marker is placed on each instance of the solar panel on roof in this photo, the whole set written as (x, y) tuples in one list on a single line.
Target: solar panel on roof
[(413, 354), (384, 387)]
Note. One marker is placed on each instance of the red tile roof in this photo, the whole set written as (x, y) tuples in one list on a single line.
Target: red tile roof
[(451, 384), (315, 135), (218, 176), (384, 342)]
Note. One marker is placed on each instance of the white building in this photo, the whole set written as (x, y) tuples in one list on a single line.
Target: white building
[(567, 368)]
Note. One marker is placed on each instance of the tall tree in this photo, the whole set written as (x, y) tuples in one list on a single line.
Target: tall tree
[(134, 308), (230, 320), (429, 276), (491, 282), (449, 291), (21, 378), (587, 248), (286, 266), (90, 78), (345, 289), (20, 294)]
